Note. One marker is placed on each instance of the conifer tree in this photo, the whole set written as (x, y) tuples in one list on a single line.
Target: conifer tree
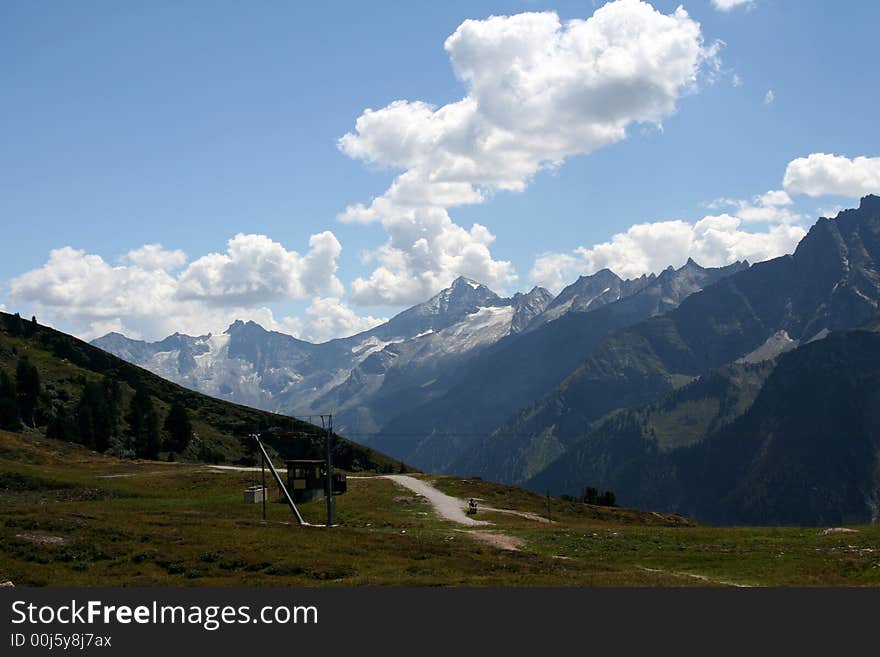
[(27, 383), (97, 415), (8, 404), (143, 422), (61, 426), (179, 428), (16, 326)]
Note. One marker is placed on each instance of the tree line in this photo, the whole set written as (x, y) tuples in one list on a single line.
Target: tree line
[(99, 419), (591, 495)]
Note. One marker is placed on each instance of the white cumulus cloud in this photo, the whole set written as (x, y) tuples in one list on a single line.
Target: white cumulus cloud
[(771, 207), (776, 198), (97, 297), (713, 241), (819, 174), (155, 256), (423, 255), (145, 298), (329, 317), (256, 269), (728, 5), (539, 90)]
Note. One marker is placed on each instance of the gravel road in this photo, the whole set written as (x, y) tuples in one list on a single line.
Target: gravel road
[(447, 506)]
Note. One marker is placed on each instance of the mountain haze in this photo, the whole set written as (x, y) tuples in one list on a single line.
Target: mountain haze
[(446, 433), (830, 283), (806, 451), (465, 349)]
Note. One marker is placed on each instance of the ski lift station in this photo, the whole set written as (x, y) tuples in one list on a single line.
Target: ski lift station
[(307, 480)]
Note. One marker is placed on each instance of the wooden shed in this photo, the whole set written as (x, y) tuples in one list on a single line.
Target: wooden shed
[(307, 480)]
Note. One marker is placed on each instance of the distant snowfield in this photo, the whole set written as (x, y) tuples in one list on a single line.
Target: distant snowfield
[(214, 373), (209, 368), (369, 346), (486, 326)]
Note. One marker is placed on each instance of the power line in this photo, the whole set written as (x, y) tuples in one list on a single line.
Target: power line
[(427, 434)]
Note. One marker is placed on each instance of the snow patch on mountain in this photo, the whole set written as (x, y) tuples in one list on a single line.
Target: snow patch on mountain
[(486, 326), (372, 344)]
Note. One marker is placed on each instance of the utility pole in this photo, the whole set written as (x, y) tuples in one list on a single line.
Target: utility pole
[(263, 469), (329, 486)]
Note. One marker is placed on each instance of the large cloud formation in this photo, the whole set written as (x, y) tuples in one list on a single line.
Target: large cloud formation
[(819, 174), (255, 269), (538, 91), (713, 241), (147, 297)]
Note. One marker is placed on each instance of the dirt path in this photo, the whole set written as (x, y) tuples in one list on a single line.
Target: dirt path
[(522, 514), (501, 541), (702, 578), (453, 508), (445, 505)]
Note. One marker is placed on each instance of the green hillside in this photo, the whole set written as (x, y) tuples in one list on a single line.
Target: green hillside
[(807, 450), (831, 283), (56, 385), (70, 517), (794, 443)]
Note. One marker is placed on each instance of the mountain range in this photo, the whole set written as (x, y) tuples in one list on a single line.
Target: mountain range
[(275, 371), (451, 351), (641, 386)]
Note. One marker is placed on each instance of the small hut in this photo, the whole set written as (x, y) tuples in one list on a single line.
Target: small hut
[(307, 480)]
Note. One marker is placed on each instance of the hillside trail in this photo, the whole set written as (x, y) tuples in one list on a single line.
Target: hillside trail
[(702, 578), (452, 509), (446, 506)]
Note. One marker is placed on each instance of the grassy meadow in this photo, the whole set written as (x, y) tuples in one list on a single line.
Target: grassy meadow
[(71, 517)]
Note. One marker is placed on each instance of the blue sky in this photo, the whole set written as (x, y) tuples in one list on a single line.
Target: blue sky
[(184, 124)]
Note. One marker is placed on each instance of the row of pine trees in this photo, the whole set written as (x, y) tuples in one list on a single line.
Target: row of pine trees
[(99, 419)]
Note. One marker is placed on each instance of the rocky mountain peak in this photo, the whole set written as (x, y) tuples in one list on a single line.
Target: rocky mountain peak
[(586, 293), (463, 296), (604, 275), (870, 203), (239, 326), (114, 335), (464, 280), (845, 246), (536, 292), (122, 346), (528, 306)]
